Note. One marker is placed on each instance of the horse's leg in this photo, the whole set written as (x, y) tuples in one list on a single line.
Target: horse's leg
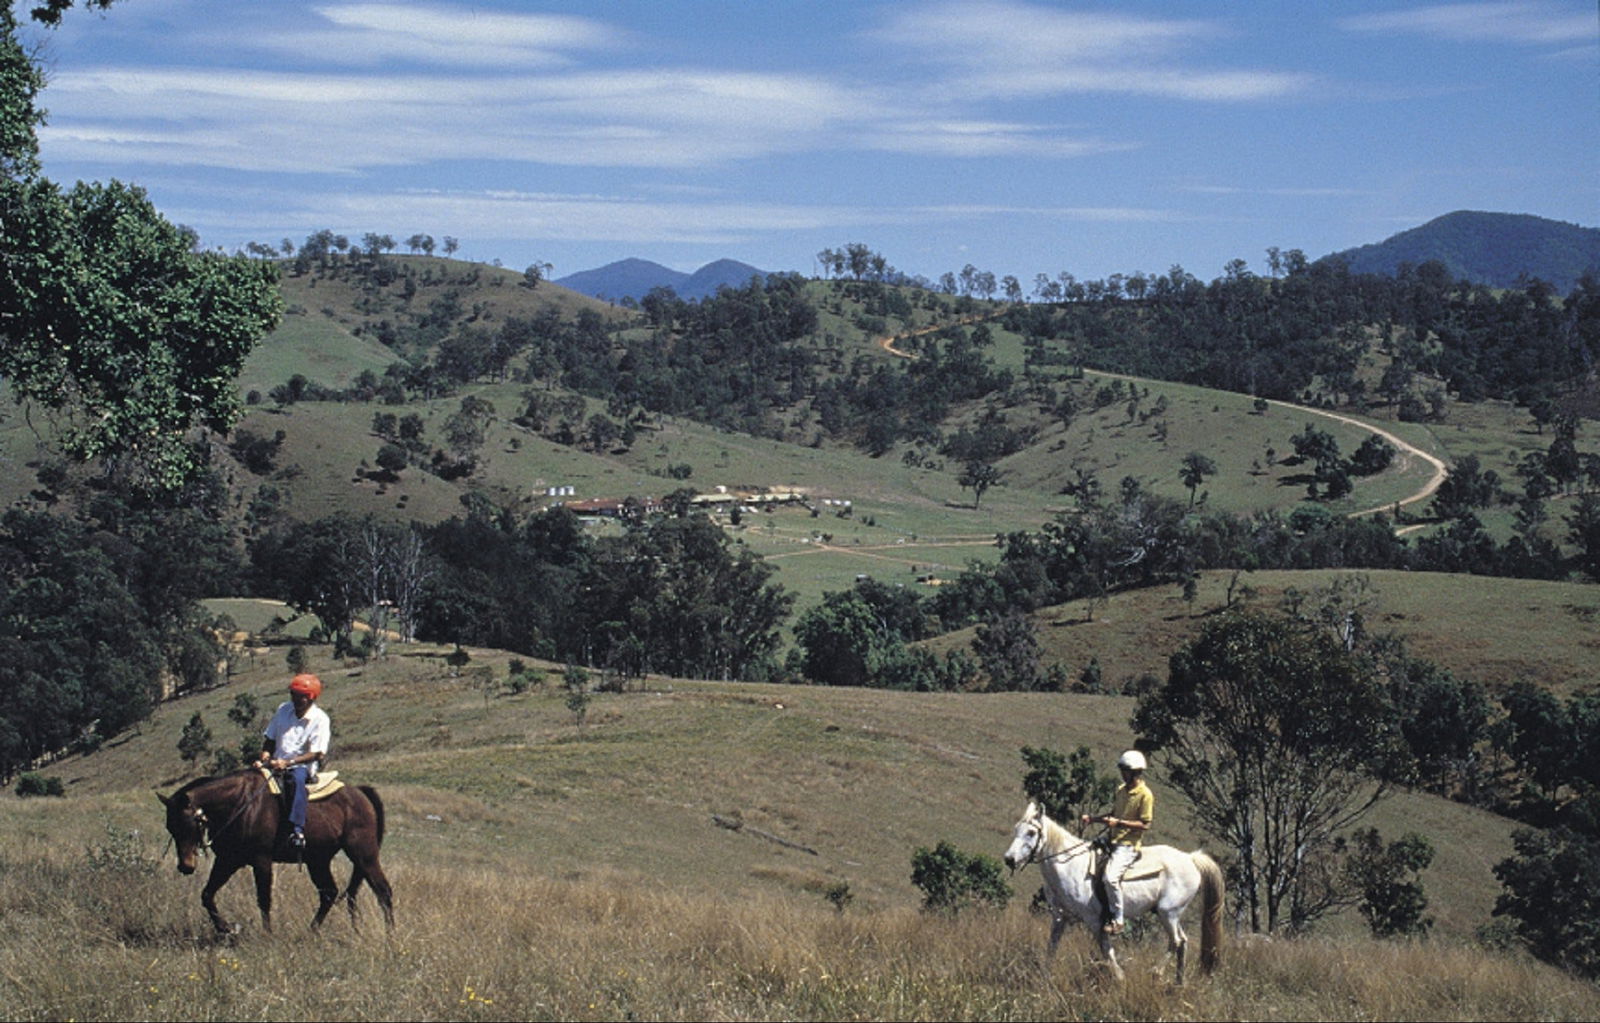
[(356, 877), (321, 871), (369, 868), (1177, 941), (262, 865), (1111, 956), (1058, 924), (221, 871)]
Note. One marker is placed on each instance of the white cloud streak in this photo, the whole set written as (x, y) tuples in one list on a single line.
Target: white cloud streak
[(576, 217), (378, 33), (469, 91), (1018, 50), (1518, 22)]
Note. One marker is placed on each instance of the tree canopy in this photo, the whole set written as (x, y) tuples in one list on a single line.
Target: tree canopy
[(1279, 737), (110, 317)]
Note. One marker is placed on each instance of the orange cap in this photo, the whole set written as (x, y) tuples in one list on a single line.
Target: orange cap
[(310, 685)]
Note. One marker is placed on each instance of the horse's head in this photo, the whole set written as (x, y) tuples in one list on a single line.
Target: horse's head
[(186, 823), (1026, 837)]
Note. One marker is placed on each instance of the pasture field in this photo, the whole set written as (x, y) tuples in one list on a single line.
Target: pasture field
[(550, 870), (1493, 630), (476, 945), (561, 870), (905, 521)]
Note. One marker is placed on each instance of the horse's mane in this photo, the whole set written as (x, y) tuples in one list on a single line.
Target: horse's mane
[(200, 783), (1056, 838)]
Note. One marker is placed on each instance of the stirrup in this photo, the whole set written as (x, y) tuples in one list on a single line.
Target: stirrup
[(1111, 929)]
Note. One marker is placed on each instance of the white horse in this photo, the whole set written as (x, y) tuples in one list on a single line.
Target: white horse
[(1163, 880)]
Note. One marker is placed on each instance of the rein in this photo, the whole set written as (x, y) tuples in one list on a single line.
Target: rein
[(209, 833), (1086, 845)]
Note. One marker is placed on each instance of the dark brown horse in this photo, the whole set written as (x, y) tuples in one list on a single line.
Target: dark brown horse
[(239, 819)]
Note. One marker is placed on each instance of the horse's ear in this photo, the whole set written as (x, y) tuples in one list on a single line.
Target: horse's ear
[(1032, 810), (165, 800)]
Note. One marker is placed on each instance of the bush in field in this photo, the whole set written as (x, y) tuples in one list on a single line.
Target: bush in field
[(1385, 878), (1551, 892), (34, 784), (952, 880)]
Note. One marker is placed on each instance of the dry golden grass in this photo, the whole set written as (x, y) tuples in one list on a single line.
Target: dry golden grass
[(548, 872), (121, 944)]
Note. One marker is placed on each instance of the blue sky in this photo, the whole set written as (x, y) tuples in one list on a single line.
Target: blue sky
[(1018, 137)]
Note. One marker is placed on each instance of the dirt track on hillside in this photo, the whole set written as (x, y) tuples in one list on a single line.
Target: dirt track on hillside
[(1407, 450)]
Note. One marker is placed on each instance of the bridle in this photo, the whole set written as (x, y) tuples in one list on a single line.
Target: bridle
[(203, 823), (1038, 846)]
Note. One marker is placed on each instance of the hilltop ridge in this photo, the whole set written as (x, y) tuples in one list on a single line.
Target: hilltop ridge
[(1496, 249), (634, 278)]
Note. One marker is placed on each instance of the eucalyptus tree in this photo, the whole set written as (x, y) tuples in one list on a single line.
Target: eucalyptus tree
[(111, 320)]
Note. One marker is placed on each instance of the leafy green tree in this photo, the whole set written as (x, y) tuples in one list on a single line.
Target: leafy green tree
[(113, 321), (951, 880), (392, 459), (859, 637), (1538, 733), (1584, 533), (1065, 785), (839, 640), (1373, 456), (681, 591), (1552, 891), (980, 477), (1196, 467), (316, 567), (31, 783), (1280, 738), (576, 681), (1388, 891), (1466, 487), (1008, 648), (83, 655), (1443, 720), (195, 741)]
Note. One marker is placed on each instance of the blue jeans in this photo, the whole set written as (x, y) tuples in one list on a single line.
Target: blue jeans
[(295, 779)]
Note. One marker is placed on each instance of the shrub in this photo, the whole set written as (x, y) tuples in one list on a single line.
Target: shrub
[(1551, 891), (30, 783), (952, 880), (1388, 894)]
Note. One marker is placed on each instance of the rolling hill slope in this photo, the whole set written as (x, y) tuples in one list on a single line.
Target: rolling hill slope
[(1496, 249)]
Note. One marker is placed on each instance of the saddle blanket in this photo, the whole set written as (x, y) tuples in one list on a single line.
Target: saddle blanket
[(327, 784)]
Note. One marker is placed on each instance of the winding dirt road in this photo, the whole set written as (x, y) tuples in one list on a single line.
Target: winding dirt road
[(1406, 449)]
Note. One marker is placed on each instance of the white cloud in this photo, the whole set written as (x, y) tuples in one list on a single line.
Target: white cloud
[(1015, 50), (958, 138), (1302, 192), (583, 217), (1521, 22), (269, 120), (371, 34)]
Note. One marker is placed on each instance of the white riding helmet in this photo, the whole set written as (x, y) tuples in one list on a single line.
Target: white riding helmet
[(1132, 760)]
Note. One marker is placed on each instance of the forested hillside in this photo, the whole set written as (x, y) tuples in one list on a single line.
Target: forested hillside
[(1501, 250)]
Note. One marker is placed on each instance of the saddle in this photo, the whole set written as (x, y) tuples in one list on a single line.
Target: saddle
[(327, 784)]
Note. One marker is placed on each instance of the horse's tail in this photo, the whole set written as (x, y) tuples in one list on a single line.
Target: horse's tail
[(377, 807), (1210, 910)]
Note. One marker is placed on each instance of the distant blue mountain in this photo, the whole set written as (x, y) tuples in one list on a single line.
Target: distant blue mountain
[(1495, 249), (633, 278)]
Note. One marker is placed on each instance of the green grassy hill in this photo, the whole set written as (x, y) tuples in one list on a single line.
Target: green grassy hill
[(1495, 631), (859, 778), (547, 869)]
